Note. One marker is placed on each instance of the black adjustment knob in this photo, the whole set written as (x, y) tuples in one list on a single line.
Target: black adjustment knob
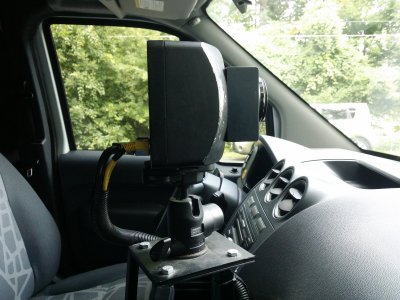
[(161, 249)]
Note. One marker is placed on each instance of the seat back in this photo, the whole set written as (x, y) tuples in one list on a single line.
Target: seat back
[(29, 238)]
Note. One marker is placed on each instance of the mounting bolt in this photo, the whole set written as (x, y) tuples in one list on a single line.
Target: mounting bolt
[(232, 253), (167, 270), (144, 245)]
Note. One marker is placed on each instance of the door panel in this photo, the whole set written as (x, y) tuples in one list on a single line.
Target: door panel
[(132, 205)]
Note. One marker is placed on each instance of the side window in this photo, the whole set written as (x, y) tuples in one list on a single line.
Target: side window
[(104, 70)]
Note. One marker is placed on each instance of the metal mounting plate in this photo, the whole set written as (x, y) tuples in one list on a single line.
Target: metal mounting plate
[(216, 259)]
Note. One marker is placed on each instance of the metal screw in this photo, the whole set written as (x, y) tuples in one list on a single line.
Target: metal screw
[(195, 21), (167, 270), (144, 245), (232, 253)]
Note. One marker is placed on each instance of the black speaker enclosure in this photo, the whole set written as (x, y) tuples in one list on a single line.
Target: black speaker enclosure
[(187, 104), (243, 104)]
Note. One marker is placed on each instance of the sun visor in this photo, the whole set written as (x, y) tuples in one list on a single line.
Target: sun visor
[(160, 9)]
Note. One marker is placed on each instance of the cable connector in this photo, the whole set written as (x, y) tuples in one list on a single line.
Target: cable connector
[(141, 144)]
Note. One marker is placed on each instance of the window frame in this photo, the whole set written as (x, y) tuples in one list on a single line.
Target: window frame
[(55, 65)]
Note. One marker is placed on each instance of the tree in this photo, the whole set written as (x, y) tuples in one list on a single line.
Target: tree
[(105, 80), (327, 69), (281, 10), (372, 24)]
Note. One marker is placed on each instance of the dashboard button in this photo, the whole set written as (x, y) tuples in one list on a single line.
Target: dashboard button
[(251, 201), (235, 235), (248, 231), (260, 224), (239, 231), (244, 234), (240, 237), (254, 211), (242, 223)]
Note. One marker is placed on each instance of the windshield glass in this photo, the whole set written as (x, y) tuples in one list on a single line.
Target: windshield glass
[(341, 56)]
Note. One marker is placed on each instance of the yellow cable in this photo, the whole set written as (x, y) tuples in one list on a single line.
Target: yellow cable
[(141, 144), (107, 174), (129, 147)]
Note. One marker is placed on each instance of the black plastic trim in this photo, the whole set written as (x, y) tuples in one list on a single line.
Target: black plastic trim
[(381, 154), (55, 66)]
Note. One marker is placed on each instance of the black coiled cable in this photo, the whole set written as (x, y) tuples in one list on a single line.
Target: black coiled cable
[(241, 292), (108, 231), (100, 216)]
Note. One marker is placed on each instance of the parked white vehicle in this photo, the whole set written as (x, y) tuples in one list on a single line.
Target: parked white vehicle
[(353, 119)]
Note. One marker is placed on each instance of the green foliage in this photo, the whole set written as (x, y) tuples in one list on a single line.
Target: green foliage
[(225, 10), (329, 69), (328, 51), (282, 10), (372, 18), (105, 80)]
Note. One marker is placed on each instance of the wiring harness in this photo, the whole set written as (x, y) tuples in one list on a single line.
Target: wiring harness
[(100, 216)]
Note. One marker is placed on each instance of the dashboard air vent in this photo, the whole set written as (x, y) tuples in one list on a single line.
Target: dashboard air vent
[(272, 174), (291, 197), (279, 185)]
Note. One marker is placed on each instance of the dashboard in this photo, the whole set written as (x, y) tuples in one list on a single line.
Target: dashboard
[(321, 222)]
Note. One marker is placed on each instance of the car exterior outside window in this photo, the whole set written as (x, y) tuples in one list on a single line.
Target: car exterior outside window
[(342, 57), (104, 71)]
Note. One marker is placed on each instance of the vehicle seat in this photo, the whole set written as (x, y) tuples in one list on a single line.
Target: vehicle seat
[(30, 248)]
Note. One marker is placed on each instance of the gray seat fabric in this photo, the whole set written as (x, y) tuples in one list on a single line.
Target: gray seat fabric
[(86, 280), (112, 290), (104, 283), (30, 252), (31, 230)]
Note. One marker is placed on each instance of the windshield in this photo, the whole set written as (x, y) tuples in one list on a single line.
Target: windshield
[(341, 56)]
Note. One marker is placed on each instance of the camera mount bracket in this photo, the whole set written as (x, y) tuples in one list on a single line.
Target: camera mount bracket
[(222, 254)]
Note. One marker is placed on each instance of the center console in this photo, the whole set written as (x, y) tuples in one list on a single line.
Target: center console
[(266, 206)]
